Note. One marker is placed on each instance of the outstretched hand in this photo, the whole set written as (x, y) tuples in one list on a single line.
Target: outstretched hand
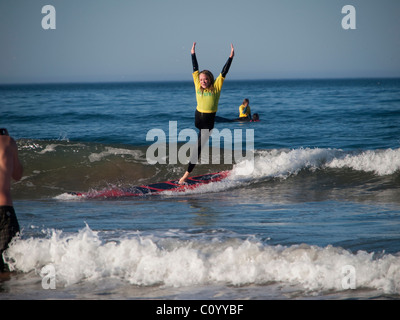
[(193, 48), (232, 51)]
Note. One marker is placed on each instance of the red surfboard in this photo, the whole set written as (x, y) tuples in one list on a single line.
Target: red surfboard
[(154, 188)]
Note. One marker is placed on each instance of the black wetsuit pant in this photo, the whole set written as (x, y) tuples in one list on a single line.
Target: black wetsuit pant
[(205, 123), (8, 229)]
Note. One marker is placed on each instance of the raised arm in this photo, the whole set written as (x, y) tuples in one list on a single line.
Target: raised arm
[(194, 59), (227, 65)]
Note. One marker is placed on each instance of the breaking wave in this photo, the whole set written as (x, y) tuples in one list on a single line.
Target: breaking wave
[(148, 260)]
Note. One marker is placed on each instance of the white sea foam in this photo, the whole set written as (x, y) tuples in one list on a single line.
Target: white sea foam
[(149, 261), (380, 162), (49, 148), (52, 147), (68, 196), (114, 151), (284, 163)]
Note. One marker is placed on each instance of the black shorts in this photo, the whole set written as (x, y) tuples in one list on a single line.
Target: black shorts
[(204, 120), (9, 227)]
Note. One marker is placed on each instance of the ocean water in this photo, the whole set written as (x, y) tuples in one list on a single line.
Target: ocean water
[(314, 213)]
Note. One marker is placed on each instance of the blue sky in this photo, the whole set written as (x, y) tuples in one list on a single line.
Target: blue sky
[(150, 40)]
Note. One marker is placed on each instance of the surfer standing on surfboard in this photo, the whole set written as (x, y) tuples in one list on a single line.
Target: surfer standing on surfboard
[(208, 92)]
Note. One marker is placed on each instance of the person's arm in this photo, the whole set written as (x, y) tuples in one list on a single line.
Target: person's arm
[(241, 110), (227, 65), (194, 59)]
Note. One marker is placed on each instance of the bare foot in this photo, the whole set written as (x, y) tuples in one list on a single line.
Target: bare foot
[(183, 179)]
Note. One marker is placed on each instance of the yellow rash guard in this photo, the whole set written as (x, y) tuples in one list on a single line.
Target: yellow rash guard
[(207, 101), (243, 114)]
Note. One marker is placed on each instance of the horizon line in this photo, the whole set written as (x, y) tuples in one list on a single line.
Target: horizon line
[(88, 82)]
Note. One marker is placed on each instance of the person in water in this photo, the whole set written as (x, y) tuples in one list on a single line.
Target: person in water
[(10, 168), (244, 110), (208, 92)]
